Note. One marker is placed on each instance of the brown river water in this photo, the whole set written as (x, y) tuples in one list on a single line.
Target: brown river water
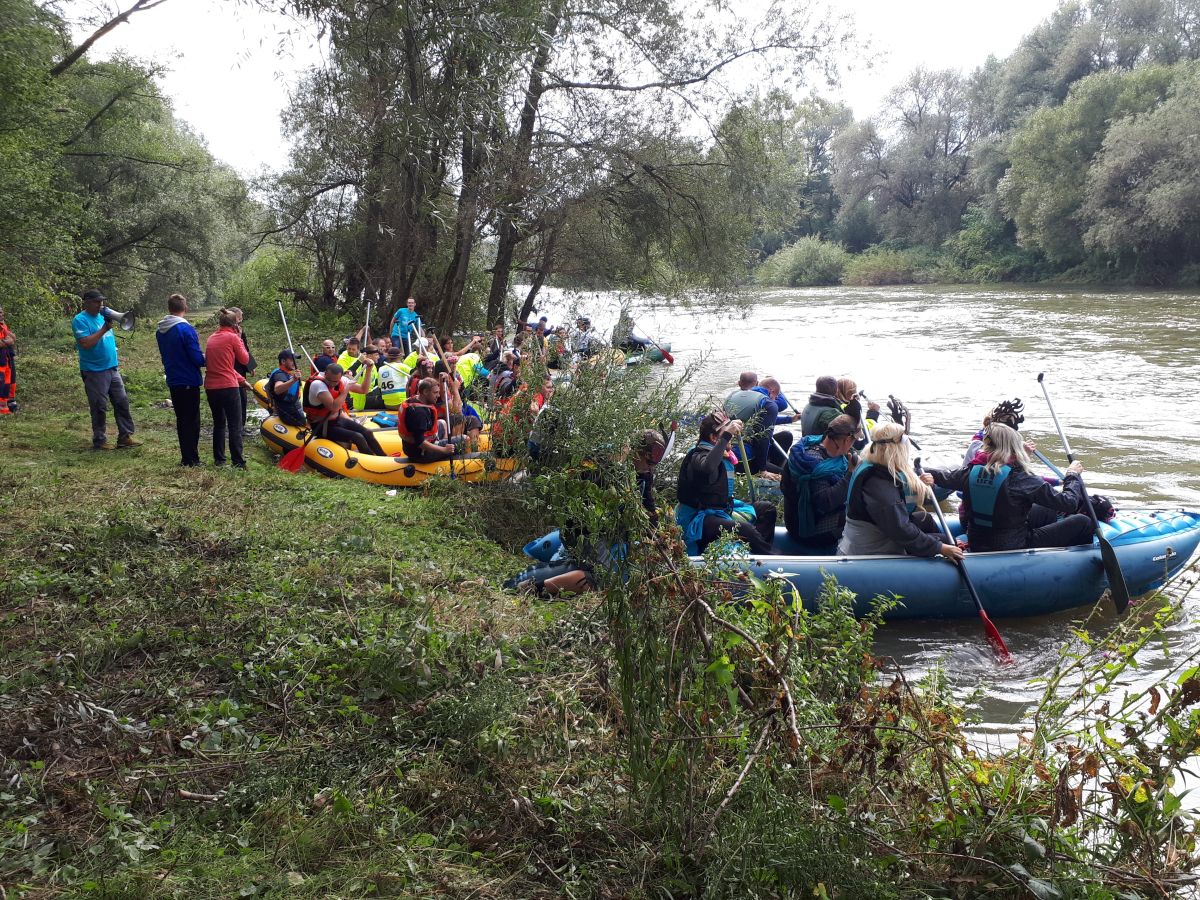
[(1122, 371)]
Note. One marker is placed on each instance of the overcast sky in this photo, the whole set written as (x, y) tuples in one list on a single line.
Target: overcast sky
[(230, 66)]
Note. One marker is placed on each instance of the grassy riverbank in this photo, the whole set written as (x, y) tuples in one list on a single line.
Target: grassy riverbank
[(220, 683)]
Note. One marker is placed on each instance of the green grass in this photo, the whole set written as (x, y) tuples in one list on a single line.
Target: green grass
[(334, 665)]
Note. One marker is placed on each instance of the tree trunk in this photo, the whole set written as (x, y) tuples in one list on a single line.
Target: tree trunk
[(518, 185), (543, 271)]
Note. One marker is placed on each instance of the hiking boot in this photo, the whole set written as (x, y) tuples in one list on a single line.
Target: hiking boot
[(105, 446), (127, 442)]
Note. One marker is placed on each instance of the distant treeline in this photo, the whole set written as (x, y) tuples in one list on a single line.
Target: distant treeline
[(1076, 157)]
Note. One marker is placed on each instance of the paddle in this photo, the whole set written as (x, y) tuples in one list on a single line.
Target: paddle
[(993, 633), (1112, 567), (665, 355), (746, 466), (1049, 465), (293, 460)]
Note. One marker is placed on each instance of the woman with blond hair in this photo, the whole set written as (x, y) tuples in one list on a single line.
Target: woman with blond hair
[(1010, 508), (884, 505)]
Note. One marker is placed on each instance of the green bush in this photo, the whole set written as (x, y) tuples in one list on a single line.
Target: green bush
[(267, 277), (882, 265), (808, 262), (986, 250)]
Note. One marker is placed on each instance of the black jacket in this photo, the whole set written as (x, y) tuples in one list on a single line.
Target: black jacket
[(703, 482), (1020, 491), (879, 500)]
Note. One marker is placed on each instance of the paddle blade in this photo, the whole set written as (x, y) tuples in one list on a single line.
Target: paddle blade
[(293, 460), (997, 642), (1116, 579), (670, 360)]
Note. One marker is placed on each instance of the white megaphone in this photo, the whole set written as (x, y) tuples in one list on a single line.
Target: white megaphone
[(125, 320)]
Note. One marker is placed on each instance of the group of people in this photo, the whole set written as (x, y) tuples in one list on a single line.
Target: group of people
[(838, 502), (434, 417)]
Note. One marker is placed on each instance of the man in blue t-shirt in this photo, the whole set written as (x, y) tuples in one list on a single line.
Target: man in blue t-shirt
[(404, 323), (98, 367)]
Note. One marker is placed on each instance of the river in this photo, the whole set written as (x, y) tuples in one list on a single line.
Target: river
[(1121, 367)]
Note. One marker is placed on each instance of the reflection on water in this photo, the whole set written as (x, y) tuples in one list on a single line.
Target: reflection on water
[(1122, 370)]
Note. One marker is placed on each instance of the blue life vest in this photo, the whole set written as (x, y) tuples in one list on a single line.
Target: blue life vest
[(910, 499), (291, 393), (983, 487)]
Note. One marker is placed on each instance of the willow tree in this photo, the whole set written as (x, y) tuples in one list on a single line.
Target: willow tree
[(437, 126)]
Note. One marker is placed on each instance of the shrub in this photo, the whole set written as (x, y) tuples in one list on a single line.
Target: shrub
[(269, 276), (808, 262), (881, 265)]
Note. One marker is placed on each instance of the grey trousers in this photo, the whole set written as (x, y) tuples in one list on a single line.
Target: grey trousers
[(102, 387)]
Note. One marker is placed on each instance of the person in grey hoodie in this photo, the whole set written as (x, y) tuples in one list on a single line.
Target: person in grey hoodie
[(179, 346)]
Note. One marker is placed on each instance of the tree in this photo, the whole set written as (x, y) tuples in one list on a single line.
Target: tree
[(913, 163), (444, 125), (38, 230), (1142, 193), (1051, 153)]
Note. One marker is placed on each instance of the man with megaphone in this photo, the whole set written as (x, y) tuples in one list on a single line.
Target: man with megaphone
[(98, 367)]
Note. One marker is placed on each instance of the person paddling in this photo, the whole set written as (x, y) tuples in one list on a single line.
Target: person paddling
[(885, 504), (814, 484), (325, 408), (1010, 508)]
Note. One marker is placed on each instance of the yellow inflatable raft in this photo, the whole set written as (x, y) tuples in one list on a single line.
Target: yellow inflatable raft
[(336, 461)]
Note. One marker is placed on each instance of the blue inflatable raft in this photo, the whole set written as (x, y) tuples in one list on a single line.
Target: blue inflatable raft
[(1151, 548)]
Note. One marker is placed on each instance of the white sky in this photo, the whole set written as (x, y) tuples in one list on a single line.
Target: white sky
[(230, 65)]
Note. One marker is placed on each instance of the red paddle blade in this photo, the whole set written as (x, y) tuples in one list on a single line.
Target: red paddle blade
[(293, 460), (997, 642), (668, 357)]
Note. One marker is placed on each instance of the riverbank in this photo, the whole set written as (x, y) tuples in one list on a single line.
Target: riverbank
[(225, 683)]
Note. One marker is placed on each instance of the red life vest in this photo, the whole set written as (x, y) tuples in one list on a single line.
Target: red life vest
[(316, 414), (402, 425)]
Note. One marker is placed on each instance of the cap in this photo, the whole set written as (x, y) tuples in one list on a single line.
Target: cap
[(395, 353), (93, 294), (286, 354)]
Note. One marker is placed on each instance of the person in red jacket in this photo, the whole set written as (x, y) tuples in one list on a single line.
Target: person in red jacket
[(223, 384), (8, 369)]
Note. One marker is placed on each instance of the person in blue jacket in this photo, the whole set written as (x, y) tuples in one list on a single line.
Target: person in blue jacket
[(182, 358)]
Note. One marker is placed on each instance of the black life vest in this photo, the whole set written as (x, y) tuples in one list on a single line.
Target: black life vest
[(695, 491)]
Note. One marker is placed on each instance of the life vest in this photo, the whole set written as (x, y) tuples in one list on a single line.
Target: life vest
[(392, 381), (714, 494), (468, 368), (744, 405), (402, 425), (291, 393), (910, 499), (983, 488), (316, 414), (351, 365), (359, 401)]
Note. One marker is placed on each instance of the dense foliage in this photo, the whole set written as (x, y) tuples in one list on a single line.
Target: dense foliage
[(1070, 157), (449, 151), (100, 184)]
